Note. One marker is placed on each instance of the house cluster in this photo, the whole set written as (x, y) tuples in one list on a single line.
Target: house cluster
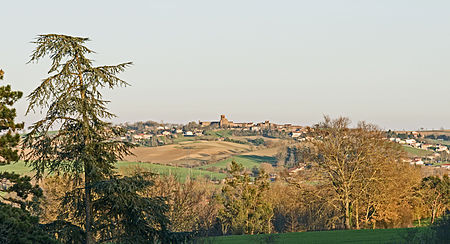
[(294, 130), (421, 145), (417, 142), (160, 131)]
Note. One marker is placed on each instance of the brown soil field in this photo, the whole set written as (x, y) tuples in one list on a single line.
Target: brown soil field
[(188, 152)]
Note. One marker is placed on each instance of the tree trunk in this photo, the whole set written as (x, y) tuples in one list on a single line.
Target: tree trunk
[(87, 166), (347, 215), (357, 215), (433, 215), (88, 209)]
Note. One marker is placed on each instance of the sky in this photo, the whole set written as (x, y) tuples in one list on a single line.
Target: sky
[(386, 62)]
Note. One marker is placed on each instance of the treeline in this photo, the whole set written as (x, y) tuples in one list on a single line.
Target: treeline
[(438, 137), (141, 125)]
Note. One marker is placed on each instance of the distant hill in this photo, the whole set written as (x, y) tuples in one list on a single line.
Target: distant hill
[(426, 132)]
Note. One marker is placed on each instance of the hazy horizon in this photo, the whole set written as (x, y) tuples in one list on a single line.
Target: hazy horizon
[(385, 62)]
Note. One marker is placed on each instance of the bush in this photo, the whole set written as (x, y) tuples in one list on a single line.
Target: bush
[(18, 226)]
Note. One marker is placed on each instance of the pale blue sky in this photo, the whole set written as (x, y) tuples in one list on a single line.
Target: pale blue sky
[(384, 61)]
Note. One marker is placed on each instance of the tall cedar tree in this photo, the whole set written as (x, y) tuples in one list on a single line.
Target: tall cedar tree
[(84, 145), (9, 139)]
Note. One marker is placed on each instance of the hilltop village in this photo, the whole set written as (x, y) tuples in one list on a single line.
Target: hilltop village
[(422, 148), (152, 133)]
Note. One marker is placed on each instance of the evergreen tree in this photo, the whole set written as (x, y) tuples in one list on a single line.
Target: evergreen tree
[(9, 139), (24, 194), (84, 146), (18, 226), (246, 209)]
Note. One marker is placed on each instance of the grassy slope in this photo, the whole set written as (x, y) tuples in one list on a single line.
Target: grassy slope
[(337, 236), (248, 161), (416, 152)]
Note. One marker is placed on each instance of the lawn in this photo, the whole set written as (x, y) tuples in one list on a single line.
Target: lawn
[(416, 152), (248, 161), (317, 237)]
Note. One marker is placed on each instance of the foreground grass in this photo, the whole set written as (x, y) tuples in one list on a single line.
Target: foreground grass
[(248, 161), (317, 237)]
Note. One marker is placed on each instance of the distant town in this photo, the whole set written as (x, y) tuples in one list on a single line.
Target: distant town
[(142, 131), (423, 148)]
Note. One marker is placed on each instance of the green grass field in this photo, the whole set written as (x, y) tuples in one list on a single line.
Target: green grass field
[(219, 133), (180, 173), (182, 139), (248, 161), (317, 237), (19, 168), (416, 152)]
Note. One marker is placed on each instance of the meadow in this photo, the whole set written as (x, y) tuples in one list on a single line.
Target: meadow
[(179, 172), (248, 161), (128, 167), (16, 167), (416, 152)]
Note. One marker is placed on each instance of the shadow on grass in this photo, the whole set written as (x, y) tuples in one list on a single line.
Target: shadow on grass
[(260, 159)]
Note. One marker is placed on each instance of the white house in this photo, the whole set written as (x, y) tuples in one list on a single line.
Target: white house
[(138, 137), (296, 134), (420, 162), (410, 141)]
